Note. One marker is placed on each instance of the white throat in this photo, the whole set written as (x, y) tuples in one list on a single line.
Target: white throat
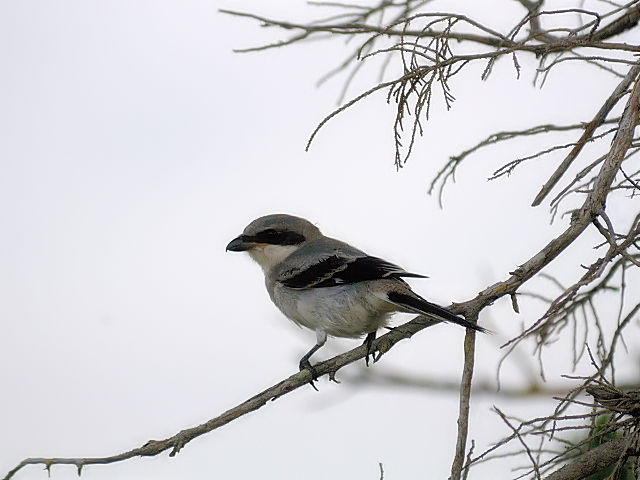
[(267, 256)]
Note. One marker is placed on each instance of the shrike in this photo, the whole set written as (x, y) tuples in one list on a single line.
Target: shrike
[(329, 286)]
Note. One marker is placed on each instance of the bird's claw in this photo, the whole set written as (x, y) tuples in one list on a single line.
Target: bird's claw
[(376, 357), (305, 365), (368, 342)]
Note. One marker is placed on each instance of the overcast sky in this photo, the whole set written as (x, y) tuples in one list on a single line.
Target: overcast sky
[(135, 144)]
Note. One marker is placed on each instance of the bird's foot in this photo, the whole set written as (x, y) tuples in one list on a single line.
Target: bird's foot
[(305, 365), (368, 342)]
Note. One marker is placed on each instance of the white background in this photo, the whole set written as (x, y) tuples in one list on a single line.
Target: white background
[(134, 144)]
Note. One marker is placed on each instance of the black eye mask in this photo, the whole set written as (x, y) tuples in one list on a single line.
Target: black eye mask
[(275, 237)]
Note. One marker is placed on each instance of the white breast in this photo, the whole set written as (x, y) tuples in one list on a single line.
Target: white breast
[(341, 311)]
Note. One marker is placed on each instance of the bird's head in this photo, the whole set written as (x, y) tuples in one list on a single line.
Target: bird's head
[(272, 238)]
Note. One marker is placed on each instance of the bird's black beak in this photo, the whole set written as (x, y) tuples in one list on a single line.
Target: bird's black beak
[(239, 244)]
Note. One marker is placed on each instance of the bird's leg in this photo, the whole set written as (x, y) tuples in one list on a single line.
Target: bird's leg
[(371, 336), (304, 361), (321, 338)]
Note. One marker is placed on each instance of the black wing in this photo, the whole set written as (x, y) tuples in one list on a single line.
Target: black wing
[(340, 270)]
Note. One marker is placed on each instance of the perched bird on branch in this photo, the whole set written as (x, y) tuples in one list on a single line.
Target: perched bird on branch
[(329, 286)]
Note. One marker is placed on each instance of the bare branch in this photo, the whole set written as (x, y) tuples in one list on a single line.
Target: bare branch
[(597, 459), (494, 39), (599, 118), (465, 398), (621, 24)]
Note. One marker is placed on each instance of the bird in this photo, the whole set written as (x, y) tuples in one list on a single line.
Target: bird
[(328, 286)]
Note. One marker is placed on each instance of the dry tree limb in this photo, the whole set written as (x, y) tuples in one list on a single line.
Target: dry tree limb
[(597, 459), (599, 118), (490, 38), (621, 24), (465, 399), (572, 187)]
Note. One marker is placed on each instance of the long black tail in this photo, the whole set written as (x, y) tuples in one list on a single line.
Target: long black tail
[(419, 305)]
